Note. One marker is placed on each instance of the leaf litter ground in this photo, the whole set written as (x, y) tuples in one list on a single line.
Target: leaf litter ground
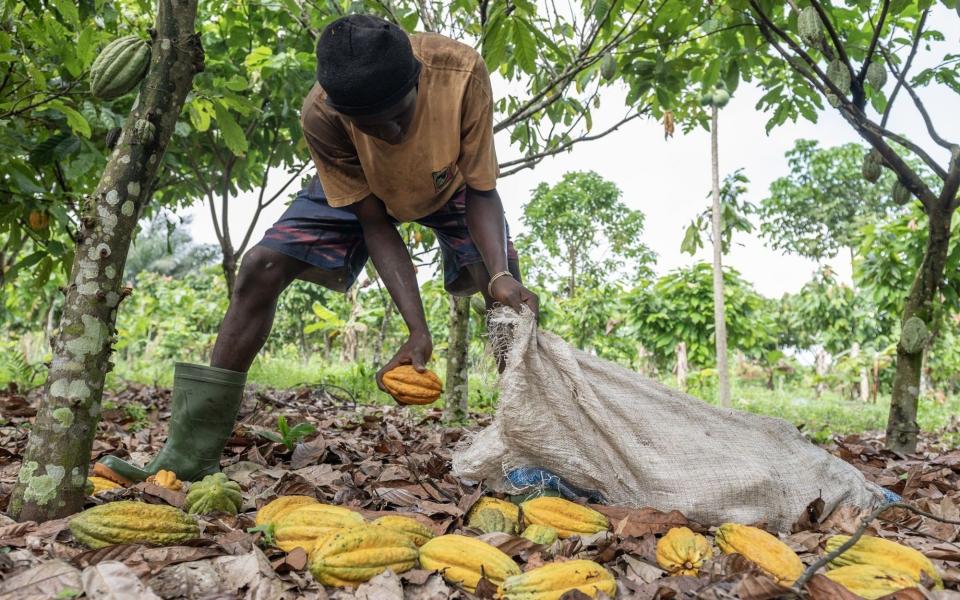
[(387, 460)]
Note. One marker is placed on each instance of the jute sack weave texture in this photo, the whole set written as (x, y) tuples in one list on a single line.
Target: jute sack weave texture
[(639, 443)]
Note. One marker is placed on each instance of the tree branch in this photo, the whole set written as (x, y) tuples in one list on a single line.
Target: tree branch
[(867, 129), (952, 183), (919, 104), (873, 42), (13, 112), (906, 67), (826, 558), (262, 205), (528, 162)]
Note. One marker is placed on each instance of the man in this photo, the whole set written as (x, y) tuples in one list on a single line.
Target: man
[(400, 129)]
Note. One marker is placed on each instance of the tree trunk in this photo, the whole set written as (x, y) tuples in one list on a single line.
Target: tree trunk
[(229, 266), (456, 392), (54, 472), (863, 383), (925, 384), (572, 284), (820, 370), (350, 351), (384, 327), (682, 367), (719, 318), (902, 426)]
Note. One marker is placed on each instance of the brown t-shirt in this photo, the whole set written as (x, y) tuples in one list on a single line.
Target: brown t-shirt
[(450, 142)]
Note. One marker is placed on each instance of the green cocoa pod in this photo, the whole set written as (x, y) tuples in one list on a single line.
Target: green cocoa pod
[(489, 520), (833, 100), (914, 335), (608, 67), (810, 26), (872, 166), (839, 75), (706, 99), (720, 97), (119, 67), (876, 75), (901, 195), (214, 493)]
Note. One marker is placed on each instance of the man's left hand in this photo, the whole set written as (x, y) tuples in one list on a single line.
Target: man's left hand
[(510, 292)]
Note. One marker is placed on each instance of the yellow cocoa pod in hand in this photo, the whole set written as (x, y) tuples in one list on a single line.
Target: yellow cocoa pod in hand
[(350, 557), (568, 518), (463, 560), (762, 548), (871, 582), (552, 581), (885, 554), (409, 386), (682, 552)]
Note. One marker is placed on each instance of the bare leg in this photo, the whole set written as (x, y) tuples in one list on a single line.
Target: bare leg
[(264, 274)]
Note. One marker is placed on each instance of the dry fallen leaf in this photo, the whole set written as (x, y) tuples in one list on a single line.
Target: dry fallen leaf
[(45, 580), (385, 586), (113, 580), (821, 588)]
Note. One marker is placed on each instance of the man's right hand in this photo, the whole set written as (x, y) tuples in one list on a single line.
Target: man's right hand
[(416, 351)]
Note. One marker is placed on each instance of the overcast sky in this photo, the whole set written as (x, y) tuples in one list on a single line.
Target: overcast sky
[(668, 180)]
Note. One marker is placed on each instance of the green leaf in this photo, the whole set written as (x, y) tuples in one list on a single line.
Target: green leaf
[(232, 134), (691, 239), (257, 57), (75, 120), (200, 111), (269, 435), (68, 10), (524, 47)]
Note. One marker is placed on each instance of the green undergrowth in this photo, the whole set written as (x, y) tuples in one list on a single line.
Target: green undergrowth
[(819, 418)]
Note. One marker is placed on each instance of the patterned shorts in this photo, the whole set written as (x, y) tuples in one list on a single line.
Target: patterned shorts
[(331, 239)]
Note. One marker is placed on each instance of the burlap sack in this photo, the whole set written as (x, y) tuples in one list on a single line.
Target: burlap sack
[(639, 443)]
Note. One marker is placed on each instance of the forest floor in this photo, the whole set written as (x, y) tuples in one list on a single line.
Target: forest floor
[(385, 460)]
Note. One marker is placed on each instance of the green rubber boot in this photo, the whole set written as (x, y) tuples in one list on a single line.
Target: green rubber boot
[(205, 405)]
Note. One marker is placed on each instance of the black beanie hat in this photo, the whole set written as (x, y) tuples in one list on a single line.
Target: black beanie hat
[(365, 64)]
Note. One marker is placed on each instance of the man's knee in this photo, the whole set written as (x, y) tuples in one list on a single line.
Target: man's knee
[(264, 273)]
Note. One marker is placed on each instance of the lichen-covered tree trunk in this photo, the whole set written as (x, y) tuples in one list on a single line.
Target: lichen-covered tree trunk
[(719, 310), (902, 426), (682, 367), (456, 392), (51, 481)]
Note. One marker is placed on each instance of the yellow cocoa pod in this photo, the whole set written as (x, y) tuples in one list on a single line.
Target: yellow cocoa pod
[(511, 511), (418, 533), (128, 522), (273, 511), (349, 557), (540, 534), (462, 560), (682, 552), (762, 548), (885, 554), (166, 479), (871, 582), (568, 518), (301, 527), (409, 386), (102, 484), (552, 581)]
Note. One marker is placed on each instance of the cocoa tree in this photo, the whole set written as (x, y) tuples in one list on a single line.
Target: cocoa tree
[(51, 481), (860, 60)]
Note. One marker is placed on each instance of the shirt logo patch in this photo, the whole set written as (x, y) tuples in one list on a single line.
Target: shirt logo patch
[(442, 178)]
